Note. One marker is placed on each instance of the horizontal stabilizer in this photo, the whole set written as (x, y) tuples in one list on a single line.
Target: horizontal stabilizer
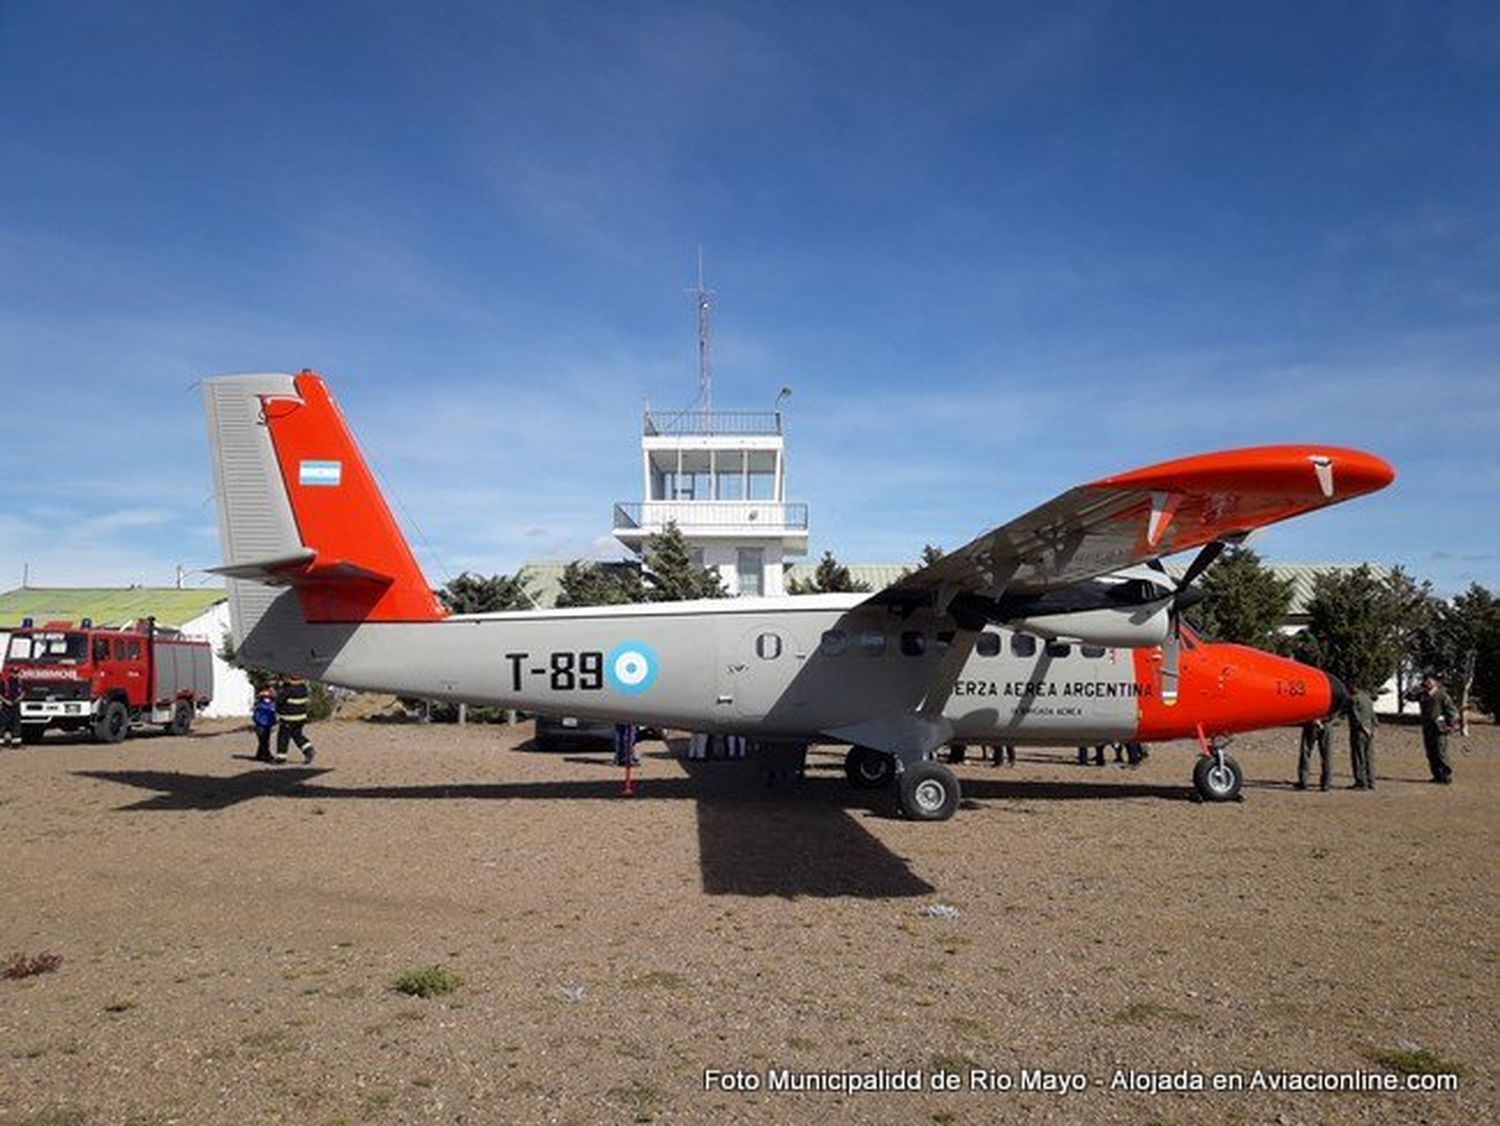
[(301, 569), (271, 571)]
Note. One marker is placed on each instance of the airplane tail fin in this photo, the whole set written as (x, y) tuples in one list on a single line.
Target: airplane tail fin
[(299, 509)]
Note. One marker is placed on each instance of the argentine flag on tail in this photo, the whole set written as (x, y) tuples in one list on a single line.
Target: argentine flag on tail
[(320, 472)]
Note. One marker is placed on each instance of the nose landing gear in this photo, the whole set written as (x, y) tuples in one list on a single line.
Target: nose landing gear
[(1216, 776)]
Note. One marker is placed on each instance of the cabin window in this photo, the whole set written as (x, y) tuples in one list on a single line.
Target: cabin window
[(119, 649), (872, 643), (913, 644), (1023, 645), (834, 642), (1092, 652), (1058, 649), (101, 648), (988, 644), (768, 646)]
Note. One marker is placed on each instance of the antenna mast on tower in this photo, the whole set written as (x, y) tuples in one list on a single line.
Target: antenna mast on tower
[(705, 377)]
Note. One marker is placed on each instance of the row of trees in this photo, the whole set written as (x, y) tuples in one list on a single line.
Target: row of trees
[(669, 575), (1364, 626)]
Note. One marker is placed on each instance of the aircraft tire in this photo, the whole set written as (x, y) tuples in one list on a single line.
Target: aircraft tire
[(927, 791), (869, 769), (1216, 784), (113, 723)]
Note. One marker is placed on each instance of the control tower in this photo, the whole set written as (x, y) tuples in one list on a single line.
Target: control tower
[(721, 476)]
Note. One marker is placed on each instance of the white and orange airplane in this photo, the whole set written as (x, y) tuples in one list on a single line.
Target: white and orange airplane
[(1059, 627)]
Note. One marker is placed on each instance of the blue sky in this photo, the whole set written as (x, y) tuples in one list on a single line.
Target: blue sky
[(996, 250)]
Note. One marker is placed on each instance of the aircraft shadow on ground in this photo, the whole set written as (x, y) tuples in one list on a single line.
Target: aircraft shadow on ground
[(791, 839), (794, 838), (178, 791)]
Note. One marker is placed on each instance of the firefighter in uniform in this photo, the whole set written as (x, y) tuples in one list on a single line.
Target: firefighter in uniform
[(1438, 717), (292, 703), (10, 709), (1362, 737)]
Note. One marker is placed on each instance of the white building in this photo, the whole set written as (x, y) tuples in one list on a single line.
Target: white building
[(721, 477)]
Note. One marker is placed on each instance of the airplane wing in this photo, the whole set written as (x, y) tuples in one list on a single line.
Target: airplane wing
[(1135, 517)]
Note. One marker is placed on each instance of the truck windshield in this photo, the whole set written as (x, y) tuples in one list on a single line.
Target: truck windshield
[(49, 648)]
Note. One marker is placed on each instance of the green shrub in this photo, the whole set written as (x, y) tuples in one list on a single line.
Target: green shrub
[(429, 981)]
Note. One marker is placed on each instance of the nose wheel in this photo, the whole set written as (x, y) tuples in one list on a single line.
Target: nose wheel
[(1217, 777)]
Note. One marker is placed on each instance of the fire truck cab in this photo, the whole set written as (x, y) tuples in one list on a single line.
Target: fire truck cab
[(108, 681)]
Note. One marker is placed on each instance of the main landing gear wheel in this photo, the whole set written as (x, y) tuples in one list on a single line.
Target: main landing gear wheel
[(867, 769), (927, 791), (1218, 778)]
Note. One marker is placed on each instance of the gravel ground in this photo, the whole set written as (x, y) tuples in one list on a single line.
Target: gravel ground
[(230, 935)]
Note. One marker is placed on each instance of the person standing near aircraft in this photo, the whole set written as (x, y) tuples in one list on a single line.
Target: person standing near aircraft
[(1317, 733), (292, 704), (625, 745), (10, 709), (264, 718), (1362, 736), (1438, 717)]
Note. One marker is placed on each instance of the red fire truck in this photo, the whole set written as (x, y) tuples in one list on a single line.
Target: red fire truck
[(108, 680)]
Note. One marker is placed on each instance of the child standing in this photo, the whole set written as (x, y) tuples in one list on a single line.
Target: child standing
[(264, 718)]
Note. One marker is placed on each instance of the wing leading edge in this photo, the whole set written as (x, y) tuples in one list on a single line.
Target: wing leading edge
[(1135, 517)]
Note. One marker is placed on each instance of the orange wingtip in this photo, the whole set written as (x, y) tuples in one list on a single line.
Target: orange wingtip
[(1323, 474)]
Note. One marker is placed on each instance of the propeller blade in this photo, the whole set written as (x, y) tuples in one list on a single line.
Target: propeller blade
[(1183, 599), (1202, 562)]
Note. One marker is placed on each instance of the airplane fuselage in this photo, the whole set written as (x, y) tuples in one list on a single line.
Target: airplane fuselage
[(797, 668)]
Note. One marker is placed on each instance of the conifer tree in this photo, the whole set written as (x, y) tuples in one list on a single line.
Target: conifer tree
[(670, 573), (475, 594), (830, 576), (1245, 604), (596, 584)]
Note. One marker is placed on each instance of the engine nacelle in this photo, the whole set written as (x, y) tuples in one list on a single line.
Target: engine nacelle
[(1133, 627)]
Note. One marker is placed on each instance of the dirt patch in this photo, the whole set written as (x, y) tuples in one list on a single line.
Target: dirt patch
[(231, 935)]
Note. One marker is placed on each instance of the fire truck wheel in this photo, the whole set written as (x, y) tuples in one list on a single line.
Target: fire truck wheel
[(113, 723), (182, 718), (32, 733)]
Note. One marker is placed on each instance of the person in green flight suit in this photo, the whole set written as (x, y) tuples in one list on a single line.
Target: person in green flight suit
[(1438, 717), (1315, 733), (292, 703), (1362, 737)]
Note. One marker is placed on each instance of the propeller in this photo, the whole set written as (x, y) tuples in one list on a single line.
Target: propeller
[(1185, 596)]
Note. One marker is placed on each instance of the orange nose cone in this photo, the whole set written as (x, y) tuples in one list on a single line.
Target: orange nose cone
[(1229, 688)]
